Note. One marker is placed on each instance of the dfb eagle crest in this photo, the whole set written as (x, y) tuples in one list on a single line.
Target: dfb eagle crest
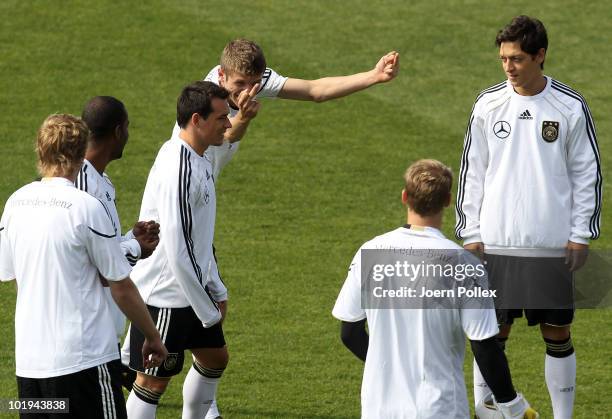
[(550, 131)]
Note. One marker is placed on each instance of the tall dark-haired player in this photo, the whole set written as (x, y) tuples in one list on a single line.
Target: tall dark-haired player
[(530, 198), (180, 195)]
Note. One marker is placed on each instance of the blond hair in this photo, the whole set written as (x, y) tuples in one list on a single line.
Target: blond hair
[(61, 144), (428, 186), (244, 57)]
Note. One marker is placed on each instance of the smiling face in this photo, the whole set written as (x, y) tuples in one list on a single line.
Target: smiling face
[(235, 83), (212, 129), (522, 69)]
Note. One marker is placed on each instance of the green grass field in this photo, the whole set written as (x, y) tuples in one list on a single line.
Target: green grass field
[(311, 182)]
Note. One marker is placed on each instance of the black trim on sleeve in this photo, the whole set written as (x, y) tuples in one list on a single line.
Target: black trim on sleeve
[(595, 220), (214, 251), (102, 234), (265, 79), (462, 218), (494, 368), (185, 213)]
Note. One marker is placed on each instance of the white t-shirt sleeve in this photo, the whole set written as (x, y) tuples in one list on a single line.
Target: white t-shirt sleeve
[(478, 318), (131, 249), (348, 305), (271, 84), (100, 238), (7, 270)]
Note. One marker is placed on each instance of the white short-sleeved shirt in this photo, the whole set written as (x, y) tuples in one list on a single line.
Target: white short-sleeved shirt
[(414, 365), (55, 240)]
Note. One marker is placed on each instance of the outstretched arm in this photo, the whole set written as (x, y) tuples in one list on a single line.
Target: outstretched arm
[(329, 88)]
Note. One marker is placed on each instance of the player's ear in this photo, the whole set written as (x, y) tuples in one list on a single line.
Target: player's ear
[(404, 197), (541, 55), (195, 118), (447, 202), (221, 76)]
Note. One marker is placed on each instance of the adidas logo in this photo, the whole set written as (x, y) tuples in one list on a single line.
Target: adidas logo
[(525, 115)]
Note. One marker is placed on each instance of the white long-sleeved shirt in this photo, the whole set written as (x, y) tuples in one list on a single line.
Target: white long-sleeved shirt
[(271, 85), (180, 196), (530, 172), (101, 187)]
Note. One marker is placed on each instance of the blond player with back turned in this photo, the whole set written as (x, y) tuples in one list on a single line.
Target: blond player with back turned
[(58, 242), (414, 357)]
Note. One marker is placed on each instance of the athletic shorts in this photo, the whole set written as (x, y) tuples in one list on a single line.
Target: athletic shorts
[(180, 329), (543, 288), (94, 393)]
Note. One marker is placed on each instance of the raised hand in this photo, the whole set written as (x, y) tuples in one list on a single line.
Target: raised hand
[(247, 104), (387, 67)]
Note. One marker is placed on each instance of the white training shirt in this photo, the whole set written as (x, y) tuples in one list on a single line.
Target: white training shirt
[(271, 85), (180, 196), (54, 241), (101, 187), (530, 171), (414, 365)]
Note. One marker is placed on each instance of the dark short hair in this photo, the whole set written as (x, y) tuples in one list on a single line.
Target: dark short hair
[(103, 114), (197, 98), (528, 31)]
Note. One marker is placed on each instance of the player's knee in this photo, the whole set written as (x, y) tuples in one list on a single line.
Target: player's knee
[(555, 332), (217, 358), (558, 341), (504, 331), (207, 371), (152, 384)]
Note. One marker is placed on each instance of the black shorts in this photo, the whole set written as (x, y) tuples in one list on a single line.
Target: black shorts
[(541, 287), (180, 329), (93, 393)]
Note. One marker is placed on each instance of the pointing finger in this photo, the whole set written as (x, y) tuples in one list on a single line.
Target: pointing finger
[(253, 91)]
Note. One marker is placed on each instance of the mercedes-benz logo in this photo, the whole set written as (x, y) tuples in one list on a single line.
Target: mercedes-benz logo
[(501, 129)]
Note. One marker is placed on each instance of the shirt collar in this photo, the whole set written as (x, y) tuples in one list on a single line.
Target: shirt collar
[(423, 230), (60, 181)]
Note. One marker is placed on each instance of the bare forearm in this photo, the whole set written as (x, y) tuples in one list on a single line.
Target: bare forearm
[(128, 299), (327, 88), (238, 129)]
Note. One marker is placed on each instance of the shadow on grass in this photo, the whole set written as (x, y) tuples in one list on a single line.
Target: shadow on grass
[(268, 414)]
